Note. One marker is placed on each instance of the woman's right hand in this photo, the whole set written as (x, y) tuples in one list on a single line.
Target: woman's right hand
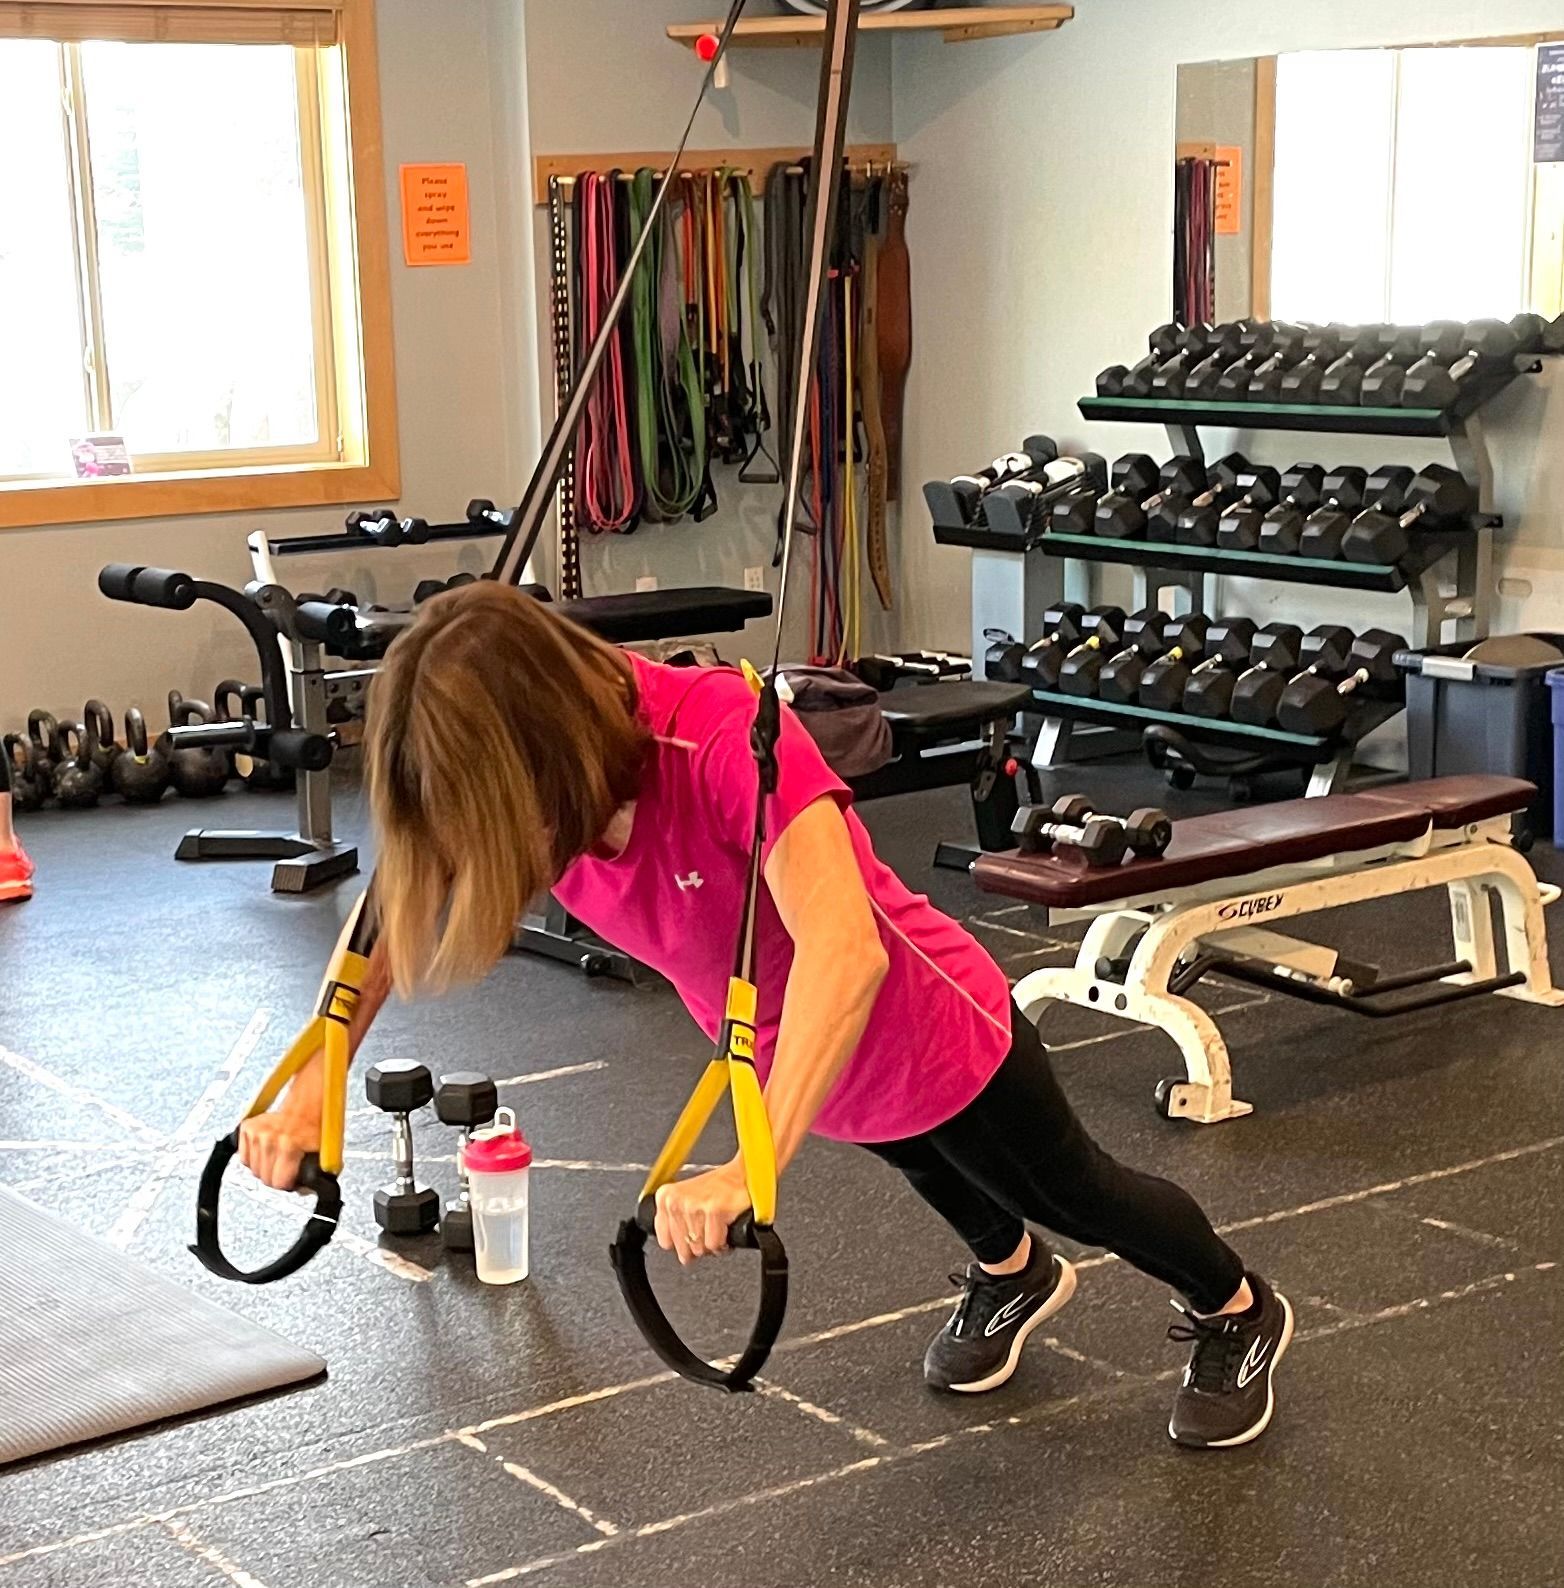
[(272, 1145)]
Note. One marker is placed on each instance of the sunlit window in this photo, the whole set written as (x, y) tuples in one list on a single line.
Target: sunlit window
[(169, 278), (1405, 189)]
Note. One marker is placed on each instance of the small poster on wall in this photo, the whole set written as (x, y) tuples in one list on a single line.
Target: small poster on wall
[(1229, 189), (101, 456), (435, 228), (1548, 148)]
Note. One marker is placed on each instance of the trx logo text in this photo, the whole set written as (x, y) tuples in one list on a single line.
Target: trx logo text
[(1246, 909)]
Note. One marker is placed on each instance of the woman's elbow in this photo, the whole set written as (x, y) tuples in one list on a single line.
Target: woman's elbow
[(872, 961)]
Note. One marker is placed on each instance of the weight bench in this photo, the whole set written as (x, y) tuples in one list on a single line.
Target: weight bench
[(1210, 904), (950, 733)]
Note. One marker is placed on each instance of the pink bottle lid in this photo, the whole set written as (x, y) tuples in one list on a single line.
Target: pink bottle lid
[(499, 1149)]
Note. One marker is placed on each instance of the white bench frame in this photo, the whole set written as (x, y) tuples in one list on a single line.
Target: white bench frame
[(1473, 862)]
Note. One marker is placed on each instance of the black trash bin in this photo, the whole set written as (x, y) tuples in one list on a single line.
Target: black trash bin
[(1470, 716)]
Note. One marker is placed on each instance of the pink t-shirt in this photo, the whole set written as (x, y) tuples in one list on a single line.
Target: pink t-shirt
[(671, 899)]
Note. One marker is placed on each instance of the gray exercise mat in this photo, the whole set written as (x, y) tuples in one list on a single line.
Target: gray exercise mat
[(92, 1343)]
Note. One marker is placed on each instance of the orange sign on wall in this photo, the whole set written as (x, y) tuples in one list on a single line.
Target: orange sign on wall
[(1229, 190), (435, 228)]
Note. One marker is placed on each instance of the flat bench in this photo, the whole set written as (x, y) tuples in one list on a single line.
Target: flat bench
[(1208, 904)]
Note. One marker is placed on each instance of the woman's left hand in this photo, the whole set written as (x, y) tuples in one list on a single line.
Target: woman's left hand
[(693, 1215)]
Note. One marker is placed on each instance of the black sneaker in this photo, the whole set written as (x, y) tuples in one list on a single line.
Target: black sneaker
[(979, 1347), (1226, 1397)]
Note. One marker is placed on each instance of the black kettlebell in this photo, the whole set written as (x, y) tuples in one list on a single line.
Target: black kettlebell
[(28, 793), (195, 774), (77, 780), (140, 772), (43, 734), (264, 775), (100, 719)]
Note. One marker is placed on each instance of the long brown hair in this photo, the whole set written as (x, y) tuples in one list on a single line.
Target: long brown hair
[(500, 740)]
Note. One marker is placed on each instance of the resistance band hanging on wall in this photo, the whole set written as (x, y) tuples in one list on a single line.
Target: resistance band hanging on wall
[(1194, 241)]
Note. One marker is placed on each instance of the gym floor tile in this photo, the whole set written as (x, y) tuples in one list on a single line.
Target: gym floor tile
[(145, 1558), (1517, 1202), (429, 1518), (657, 1452)]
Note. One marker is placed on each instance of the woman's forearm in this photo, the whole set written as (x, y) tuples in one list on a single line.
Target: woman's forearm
[(371, 998), (830, 993)]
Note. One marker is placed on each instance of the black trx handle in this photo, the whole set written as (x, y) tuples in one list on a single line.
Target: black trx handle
[(321, 1227), (628, 1254)]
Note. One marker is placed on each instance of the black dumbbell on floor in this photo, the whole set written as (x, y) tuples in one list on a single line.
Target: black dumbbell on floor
[(1080, 672), (1176, 638), (1327, 525), (1438, 498), (1075, 833), (1102, 627), (1275, 649), (1121, 516), (1224, 482), (1312, 704), (1168, 679), (465, 1099), (1282, 528), (1482, 347), (399, 1087), (1258, 694)]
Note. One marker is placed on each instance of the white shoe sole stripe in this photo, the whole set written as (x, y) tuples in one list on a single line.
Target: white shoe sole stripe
[(1260, 1427), (1055, 1304)]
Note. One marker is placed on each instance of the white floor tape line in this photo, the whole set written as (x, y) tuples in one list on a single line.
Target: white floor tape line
[(175, 1149), (521, 1474), (212, 1556), (80, 1094), (821, 1414), (842, 1331)]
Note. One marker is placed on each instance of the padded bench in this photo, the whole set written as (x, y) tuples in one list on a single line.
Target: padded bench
[(1208, 904)]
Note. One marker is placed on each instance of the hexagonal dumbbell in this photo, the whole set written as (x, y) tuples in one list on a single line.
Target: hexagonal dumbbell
[(1314, 705), (1438, 498), (1119, 381), (1238, 526), (1081, 670), (1443, 344), (1199, 521), (1258, 694), (1326, 527), (1178, 638), (1135, 474), (1339, 380), (1481, 347), (1227, 645), (1122, 516), (1290, 347), (465, 1099), (1282, 527), (1066, 627), (1382, 381), (399, 1087), (1223, 484), (1077, 834), (1274, 648)]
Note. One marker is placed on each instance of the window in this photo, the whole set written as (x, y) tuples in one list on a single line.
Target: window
[(191, 268), (1405, 189)]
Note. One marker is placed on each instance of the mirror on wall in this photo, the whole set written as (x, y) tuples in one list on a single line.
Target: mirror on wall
[(1399, 185)]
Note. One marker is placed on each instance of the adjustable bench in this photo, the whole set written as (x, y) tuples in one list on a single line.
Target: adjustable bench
[(1210, 904), (950, 733)]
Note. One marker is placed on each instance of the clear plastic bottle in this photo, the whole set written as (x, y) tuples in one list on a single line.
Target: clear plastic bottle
[(498, 1163)]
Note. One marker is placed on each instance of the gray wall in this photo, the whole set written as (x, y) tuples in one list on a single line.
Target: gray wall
[(467, 403), (1040, 228), (634, 94)]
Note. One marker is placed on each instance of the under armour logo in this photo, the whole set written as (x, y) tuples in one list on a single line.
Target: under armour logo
[(694, 880)]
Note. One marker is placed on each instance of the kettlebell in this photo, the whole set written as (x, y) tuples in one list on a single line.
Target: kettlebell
[(231, 705), (43, 733), (77, 780), (196, 774), (27, 792), (100, 719), (140, 773)]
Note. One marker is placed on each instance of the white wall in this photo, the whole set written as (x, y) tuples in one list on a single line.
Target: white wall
[(451, 89), (1040, 234), (603, 78)]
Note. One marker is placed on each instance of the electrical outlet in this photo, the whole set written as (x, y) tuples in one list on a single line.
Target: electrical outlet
[(645, 582), (754, 578)]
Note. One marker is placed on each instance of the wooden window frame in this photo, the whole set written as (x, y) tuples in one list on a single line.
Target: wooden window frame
[(356, 280)]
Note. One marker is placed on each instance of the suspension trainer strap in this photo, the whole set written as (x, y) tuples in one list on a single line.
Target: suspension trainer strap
[(607, 476), (759, 415), (871, 396), (895, 316)]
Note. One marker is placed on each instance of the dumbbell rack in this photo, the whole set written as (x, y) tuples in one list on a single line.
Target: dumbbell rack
[(1449, 578)]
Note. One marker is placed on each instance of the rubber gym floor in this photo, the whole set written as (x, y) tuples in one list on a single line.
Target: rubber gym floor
[(1403, 1181)]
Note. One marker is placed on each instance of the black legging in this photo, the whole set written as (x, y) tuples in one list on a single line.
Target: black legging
[(1018, 1152)]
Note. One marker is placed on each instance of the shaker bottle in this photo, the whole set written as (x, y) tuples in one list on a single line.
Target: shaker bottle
[(497, 1159)]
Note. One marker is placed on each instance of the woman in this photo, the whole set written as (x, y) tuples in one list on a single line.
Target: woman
[(510, 751)]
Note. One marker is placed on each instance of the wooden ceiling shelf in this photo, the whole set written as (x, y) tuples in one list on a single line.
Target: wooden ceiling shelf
[(955, 24)]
